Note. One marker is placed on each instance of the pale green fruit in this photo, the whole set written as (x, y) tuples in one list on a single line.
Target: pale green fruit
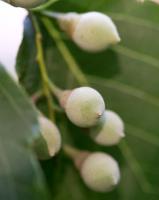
[(84, 107), (109, 131), (26, 3), (155, 1), (92, 31), (100, 172), (49, 144)]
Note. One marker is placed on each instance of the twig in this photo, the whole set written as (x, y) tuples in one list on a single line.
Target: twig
[(43, 6), (71, 151), (69, 59), (36, 96), (41, 62)]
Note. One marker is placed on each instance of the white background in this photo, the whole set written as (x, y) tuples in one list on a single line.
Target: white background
[(11, 29)]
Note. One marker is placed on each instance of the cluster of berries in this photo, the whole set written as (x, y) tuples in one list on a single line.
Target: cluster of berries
[(84, 106)]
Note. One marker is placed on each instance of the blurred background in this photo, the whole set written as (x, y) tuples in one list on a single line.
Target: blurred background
[(127, 76), (11, 29)]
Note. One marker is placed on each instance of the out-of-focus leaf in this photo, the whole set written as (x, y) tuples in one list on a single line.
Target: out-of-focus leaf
[(20, 173), (127, 77)]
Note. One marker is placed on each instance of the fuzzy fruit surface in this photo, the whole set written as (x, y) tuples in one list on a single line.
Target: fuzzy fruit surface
[(100, 172), (84, 107), (26, 3), (110, 130)]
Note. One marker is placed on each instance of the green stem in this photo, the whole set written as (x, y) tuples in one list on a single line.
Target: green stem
[(39, 94), (71, 151), (36, 96), (69, 59), (43, 6), (55, 90), (41, 62)]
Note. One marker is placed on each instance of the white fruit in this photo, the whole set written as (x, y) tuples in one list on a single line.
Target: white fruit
[(92, 31), (26, 3), (100, 172), (84, 107), (110, 131), (50, 142), (155, 1)]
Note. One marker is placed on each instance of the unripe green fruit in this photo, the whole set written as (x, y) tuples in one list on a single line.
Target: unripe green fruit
[(92, 31), (25, 3), (50, 142), (109, 131), (84, 106), (100, 172)]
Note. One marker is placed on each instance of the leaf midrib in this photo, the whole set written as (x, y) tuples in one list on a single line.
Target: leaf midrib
[(125, 88)]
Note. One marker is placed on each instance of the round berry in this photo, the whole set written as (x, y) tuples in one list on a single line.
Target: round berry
[(84, 106), (92, 31), (100, 172), (50, 141), (110, 130)]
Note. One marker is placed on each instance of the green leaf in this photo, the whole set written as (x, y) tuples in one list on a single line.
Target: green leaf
[(20, 173), (127, 77), (27, 67)]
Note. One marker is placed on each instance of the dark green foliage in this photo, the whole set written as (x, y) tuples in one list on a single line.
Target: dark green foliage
[(127, 77), (20, 173)]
